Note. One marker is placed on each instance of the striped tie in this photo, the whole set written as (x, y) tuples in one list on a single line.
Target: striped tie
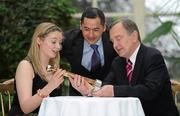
[(129, 70)]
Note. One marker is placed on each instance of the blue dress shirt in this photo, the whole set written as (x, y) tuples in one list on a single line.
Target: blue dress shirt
[(88, 51)]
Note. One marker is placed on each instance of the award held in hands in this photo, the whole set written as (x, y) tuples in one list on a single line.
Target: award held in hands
[(95, 84)]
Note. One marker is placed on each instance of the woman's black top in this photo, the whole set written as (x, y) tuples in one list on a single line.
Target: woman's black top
[(38, 83)]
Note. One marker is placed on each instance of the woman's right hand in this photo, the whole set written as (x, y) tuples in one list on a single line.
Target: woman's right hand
[(57, 78), (54, 81)]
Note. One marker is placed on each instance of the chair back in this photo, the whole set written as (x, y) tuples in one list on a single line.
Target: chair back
[(6, 90)]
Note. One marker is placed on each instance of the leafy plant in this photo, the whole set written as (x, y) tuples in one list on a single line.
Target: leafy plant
[(18, 20), (163, 29)]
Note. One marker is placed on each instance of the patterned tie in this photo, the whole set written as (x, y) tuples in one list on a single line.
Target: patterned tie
[(129, 70), (95, 59)]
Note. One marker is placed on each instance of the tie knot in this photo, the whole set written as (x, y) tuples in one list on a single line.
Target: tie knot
[(94, 46), (129, 65), (129, 62)]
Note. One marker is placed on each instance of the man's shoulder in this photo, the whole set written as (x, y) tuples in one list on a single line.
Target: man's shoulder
[(118, 59), (150, 50), (72, 35), (73, 31), (150, 53)]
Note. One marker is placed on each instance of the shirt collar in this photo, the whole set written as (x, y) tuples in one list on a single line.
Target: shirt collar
[(99, 42), (134, 55)]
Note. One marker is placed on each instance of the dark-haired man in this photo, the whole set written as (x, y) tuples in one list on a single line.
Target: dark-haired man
[(78, 47)]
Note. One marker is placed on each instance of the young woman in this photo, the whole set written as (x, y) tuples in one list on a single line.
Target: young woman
[(32, 81)]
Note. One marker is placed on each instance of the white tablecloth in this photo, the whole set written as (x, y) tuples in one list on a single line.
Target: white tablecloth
[(90, 106)]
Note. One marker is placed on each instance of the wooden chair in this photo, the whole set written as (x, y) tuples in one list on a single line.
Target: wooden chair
[(6, 90), (175, 86)]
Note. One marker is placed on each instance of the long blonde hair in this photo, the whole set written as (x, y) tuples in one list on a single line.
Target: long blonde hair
[(41, 31)]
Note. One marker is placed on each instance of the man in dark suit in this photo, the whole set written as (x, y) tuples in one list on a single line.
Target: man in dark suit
[(77, 46), (147, 77)]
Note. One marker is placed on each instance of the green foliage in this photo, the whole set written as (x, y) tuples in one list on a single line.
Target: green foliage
[(176, 60), (163, 29), (18, 20)]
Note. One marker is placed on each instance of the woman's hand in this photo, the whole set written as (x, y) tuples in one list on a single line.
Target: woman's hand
[(80, 84), (57, 78)]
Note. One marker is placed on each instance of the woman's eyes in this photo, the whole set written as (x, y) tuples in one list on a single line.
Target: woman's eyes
[(54, 42)]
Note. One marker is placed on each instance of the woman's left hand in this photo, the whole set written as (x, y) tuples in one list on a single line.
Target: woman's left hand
[(80, 84)]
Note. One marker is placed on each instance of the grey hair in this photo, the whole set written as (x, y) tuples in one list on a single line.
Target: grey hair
[(128, 24)]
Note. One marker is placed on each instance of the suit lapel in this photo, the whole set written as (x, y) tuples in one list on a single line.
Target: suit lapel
[(78, 49), (124, 74), (106, 47), (121, 71), (138, 65)]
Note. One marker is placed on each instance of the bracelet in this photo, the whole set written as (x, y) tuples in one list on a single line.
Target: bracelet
[(40, 94)]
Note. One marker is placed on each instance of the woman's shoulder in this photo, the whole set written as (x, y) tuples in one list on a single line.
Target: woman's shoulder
[(25, 68), (25, 63)]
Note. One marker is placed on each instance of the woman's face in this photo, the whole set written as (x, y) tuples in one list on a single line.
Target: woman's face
[(51, 44)]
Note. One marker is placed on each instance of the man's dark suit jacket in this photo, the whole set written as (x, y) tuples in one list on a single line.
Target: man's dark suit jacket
[(150, 82), (73, 51)]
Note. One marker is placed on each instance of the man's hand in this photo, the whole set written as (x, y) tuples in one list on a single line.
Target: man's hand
[(105, 91)]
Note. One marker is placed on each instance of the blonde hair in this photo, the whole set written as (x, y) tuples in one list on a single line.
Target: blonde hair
[(41, 31)]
